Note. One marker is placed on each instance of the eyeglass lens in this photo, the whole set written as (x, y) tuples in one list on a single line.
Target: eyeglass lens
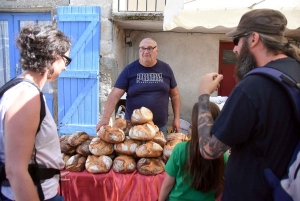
[(149, 49), (68, 60)]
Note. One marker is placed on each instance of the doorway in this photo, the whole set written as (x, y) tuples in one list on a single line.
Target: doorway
[(227, 61), (10, 26)]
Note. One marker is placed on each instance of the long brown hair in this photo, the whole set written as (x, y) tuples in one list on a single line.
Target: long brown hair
[(205, 175)]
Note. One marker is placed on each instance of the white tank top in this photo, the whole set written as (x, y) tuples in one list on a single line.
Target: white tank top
[(46, 142)]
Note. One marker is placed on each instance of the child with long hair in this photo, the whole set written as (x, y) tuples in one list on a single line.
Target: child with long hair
[(189, 175)]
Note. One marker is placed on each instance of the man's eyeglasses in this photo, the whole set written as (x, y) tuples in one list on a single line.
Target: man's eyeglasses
[(149, 49), (68, 60), (236, 39)]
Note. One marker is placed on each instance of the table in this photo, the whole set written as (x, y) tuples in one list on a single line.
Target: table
[(111, 186)]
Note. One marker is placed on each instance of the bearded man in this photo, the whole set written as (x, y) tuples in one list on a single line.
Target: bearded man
[(257, 122)]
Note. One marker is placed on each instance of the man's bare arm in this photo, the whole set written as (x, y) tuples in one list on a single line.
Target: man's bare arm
[(210, 146)]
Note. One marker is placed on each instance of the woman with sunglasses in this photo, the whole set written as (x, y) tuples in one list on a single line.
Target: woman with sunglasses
[(44, 54)]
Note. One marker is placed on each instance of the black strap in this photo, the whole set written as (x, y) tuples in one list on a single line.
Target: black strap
[(36, 174)]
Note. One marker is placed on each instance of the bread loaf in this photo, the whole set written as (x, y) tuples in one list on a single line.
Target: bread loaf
[(66, 148), (149, 149), (150, 166), (159, 138), (99, 147), (141, 116), (111, 134), (76, 163), (124, 164), (127, 147), (129, 125), (77, 138), (169, 147), (142, 132), (98, 164), (177, 136), (65, 157), (120, 123), (83, 148)]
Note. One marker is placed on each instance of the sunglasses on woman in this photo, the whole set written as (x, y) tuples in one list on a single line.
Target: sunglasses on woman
[(68, 60)]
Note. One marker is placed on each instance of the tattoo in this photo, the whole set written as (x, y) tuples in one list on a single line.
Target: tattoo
[(205, 123)]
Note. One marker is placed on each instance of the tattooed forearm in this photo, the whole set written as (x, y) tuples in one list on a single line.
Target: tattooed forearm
[(210, 146)]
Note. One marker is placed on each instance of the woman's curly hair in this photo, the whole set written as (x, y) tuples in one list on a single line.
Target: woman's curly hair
[(40, 46)]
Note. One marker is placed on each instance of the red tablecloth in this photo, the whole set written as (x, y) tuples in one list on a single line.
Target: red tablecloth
[(84, 186)]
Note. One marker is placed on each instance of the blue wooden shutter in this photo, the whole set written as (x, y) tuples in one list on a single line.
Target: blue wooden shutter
[(78, 86)]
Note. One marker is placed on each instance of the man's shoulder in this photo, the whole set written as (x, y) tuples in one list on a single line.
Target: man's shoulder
[(160, 62), (132, 64)]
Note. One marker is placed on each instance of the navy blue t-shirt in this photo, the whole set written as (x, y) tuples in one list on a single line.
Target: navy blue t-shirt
[(148, 87), (257, 115)]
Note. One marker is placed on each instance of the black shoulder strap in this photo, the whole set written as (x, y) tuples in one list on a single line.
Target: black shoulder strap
[(3, 89), (289, 78), (16, 81)]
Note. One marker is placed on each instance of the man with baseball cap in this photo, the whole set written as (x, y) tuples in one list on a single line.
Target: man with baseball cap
[(257, 122)]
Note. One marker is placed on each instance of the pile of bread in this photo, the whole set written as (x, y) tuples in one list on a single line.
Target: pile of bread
[(125, 147)]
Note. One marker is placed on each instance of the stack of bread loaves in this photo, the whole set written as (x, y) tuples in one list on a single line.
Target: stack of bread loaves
[(125, 146), (74, 150), (172, 140), (152, 141)]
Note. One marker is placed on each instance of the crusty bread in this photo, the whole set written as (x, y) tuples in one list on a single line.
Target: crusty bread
[(169, 147), (124, 164), (150, 166), (149, 149), (64, 138), (120, 123), (127, 147), (159, 138), (83, 148), (129, 125), (66, 148), (177, 136), (111, 134), (142, 132), (76, 163), (98, 164), (152, 123), (77, 138), (99, 147), (65, 157), (141, 116)]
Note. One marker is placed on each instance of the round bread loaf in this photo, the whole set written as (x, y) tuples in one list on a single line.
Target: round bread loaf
[(65, 157), (67, 148), (152, 123), (83, 148), (111, 134), (141, 116), (77, 138), (76, 163), (64, 138), (169, 147), (159, 138), (150, 166), (127, 147), (120, 123), (129, 125), (98, 164), (124, 164), (99, 147), (142, 132), (177, 136), (149, 149)]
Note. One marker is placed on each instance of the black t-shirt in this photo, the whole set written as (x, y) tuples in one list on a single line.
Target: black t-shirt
[(257, 115), (148, 87)]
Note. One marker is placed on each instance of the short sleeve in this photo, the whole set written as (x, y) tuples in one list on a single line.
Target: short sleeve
[(122, 81), (173, 164), (230, 127)]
